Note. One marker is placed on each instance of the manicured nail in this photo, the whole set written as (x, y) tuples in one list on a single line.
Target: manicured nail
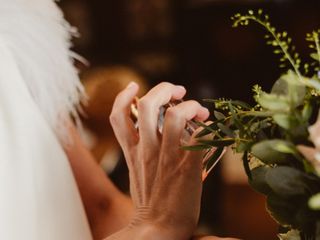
[(131, 85)]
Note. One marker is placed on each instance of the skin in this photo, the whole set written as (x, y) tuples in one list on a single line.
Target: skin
[(165, 181), (107, 209)]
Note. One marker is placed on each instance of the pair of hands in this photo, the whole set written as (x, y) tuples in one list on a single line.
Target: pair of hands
[(165, 181)]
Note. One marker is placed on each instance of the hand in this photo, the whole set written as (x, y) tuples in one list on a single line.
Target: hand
[(165, 181)]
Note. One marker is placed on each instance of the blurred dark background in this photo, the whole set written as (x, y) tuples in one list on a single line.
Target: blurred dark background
[(192, 43)]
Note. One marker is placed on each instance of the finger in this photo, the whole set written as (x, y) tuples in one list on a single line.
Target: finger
[(314, 131), (120, 120), (175, 121), (149, 105), (311, 154)]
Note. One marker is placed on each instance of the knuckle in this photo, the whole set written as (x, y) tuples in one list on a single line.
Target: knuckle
[(165, 85), (114, 118), (119, 96), (144, 103), (172, 113), (194, 103)]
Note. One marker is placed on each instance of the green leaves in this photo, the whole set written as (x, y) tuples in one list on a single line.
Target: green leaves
[(287, 190), (198, 147), (314, 45), (290, 86), (267, 133), (290, 235), (314, 202), (287, 94), (218, 115), (258, 180), (314, 56), (274, 102), (287, 182), (218, 143), (274, 151), (283, 181), (285, 121)]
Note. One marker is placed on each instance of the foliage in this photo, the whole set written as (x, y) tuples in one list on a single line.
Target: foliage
[(268, 133)]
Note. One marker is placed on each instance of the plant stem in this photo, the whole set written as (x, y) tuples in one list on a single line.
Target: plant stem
[(286, 53), (316, 40)]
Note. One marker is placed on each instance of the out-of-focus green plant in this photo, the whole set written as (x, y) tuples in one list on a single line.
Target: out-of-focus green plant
[(268, 133)]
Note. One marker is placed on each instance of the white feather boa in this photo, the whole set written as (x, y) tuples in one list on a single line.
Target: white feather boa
[(40, 40)]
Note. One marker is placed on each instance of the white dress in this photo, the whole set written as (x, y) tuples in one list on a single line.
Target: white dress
[(39, 199)]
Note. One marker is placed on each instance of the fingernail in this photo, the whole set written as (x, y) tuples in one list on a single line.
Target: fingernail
[(206, 109), (131, 85), (181, 87)]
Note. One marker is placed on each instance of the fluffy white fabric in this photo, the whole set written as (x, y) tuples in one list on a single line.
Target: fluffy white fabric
[(39, 199), (39, 39)]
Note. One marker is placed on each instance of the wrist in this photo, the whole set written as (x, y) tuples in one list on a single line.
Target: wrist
[(152, 231), (159, 227), (147, 231)]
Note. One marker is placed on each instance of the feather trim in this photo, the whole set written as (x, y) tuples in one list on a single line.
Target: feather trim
[(40, 40)]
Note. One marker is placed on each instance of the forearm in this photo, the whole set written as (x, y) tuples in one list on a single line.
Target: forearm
[(108, 210)]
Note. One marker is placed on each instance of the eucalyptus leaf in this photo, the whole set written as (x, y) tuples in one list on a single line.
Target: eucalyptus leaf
[(313, 83), (196, 147), (235, 119), (290, 87), (241, 104), (314, 202), (315, 56), (218, 143), (204, 132), (258, 181), (207, 129), (243, 146), (219, 115), (285, 121), (293, 213), (273, 151), (274, 102), (307, 111), (226, 130), (282, 210), (287, 182)]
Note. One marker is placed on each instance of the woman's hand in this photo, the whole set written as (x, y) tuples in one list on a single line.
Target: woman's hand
[(165, 181)]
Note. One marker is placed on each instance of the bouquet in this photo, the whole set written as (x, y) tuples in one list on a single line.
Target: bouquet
[(278, 136)]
